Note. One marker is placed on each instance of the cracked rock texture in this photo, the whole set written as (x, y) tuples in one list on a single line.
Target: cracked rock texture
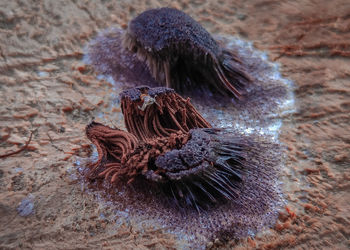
[(45, 88)]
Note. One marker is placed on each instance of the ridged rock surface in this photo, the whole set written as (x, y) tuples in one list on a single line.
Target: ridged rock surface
[(45, 88)]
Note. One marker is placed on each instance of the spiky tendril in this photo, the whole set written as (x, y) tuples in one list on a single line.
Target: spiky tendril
[(158, 112), (206, 171), (170, 145), (197, 169), (181, 54), (113, 147), (121, 156)]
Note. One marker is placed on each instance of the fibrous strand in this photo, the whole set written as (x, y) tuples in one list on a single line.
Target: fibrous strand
[(158, 112)]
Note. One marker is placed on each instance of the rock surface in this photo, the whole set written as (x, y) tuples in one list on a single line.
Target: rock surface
[(47, 89)]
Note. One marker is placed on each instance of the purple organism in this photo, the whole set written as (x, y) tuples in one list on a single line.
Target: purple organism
[(171, 165), (182, 55), (206, 182), (166, 47), (201, 169), (209, 183)]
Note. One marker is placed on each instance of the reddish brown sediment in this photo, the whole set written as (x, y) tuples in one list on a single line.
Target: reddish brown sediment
[(158, 112), (323, 49)]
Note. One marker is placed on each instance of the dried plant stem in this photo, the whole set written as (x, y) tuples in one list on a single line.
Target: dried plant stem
[(167, 114), (19, 150)]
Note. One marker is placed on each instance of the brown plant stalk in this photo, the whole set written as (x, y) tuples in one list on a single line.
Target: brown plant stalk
[(122, 157), (158, 112)]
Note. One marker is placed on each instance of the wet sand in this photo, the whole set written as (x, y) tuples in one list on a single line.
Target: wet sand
[(46, 88)]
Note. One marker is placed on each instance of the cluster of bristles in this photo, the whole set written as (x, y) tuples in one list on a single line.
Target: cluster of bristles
[(158, 112), (166, 47), (122, 157), (168, 142), (168, 152), (171, 145), (181, 54)]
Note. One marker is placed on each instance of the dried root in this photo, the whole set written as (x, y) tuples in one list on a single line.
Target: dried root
[(19, 150), (158, 112), (113, 147), (171, 146), (122, 157)]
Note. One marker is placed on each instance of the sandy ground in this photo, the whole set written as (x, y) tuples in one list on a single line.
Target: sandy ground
[(47, 89)]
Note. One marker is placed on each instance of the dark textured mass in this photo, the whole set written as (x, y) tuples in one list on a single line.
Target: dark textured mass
[(208, 170), (171, 145), (230, 178), (181, 54), (198, 169), (166, 29)]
